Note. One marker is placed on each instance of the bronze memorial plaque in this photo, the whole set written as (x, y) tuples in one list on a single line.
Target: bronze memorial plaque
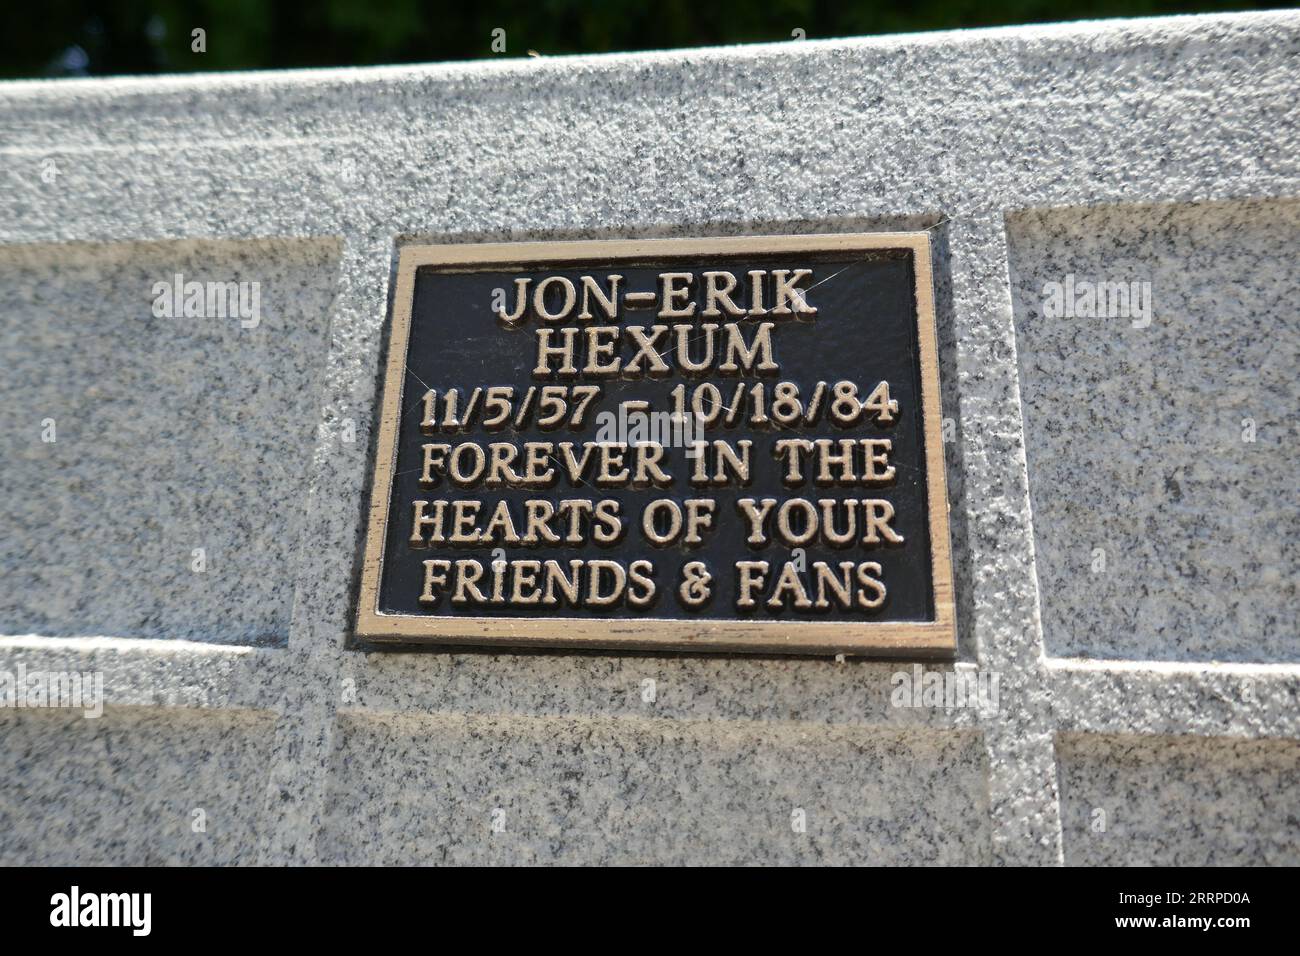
[(701, 445)]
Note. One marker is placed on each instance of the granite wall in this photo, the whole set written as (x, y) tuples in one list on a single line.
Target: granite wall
[(183, 499)]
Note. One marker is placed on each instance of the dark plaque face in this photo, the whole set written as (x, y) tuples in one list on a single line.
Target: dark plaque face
[(727, 444)]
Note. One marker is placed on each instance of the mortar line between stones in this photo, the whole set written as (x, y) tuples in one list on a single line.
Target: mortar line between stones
[(324, 566), (1024, 796)]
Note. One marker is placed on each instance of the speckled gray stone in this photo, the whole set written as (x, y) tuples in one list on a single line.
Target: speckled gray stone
[(1180, 801), (460, 789), (996, 141), (1162, 459), (149, 787), (170, 434)]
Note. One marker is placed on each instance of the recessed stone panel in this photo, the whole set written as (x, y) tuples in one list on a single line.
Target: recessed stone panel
[(156, 460), (1161, 441), (1179, 801), (486, 790), (137, 787)]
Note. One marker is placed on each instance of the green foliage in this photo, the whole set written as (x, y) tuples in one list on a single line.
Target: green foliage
[(80, 37)]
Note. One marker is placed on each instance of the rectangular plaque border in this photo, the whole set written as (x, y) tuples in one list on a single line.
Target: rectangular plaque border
[(935, 638)]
